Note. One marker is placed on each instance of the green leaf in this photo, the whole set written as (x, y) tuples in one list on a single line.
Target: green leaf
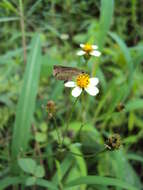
[(33, 8), (39, 172), (137, 54), (46, 183), (59, 172), (125, 50), (126, 53), (7, 19), (30, 181), (28, 165), (131, 121), (40, 137), (98, 180), (122, 168), (43, 127), (134, 104), (116, 164), (131, 139), (9, 6), (64, 168), (80, 168), (6, 182), (107, 8), (26, 102), (135, 157)]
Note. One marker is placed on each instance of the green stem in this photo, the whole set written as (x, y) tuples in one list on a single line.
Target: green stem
[(83, 107), (76, 154), (86, 64), (57, 131), (94, 68), (69, 117), (23, 30), (80, 129), (83, 115), (88, 155)]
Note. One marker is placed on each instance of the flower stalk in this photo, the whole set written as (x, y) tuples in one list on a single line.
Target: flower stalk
[(69, 118)]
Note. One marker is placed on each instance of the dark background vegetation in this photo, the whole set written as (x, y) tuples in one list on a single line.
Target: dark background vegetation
[(62, 26)]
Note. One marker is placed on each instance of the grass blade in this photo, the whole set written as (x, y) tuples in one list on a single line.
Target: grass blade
[(27, 99), (46, 183), (6, 182), (64, 167), (134, 104), (107, 8), (126, 52), (8, 19), (98, 180), (135, 157), (33, 8)]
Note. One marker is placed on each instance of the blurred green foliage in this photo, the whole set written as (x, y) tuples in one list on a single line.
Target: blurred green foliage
[(60, 26)]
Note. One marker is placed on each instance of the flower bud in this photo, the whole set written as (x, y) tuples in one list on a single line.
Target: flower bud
[(113, 142), (50, 108)]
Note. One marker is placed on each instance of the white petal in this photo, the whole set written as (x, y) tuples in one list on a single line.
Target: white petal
[(94, 81), (81, 52), (70, 84), (95, 53), (82, 45), (94, 46), (76, 91), (92, 90)]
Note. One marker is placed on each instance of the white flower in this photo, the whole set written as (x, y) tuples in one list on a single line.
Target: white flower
[(90, 50), (83, 82)]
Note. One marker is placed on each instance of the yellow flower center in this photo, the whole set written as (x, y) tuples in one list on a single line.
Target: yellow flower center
[(82, 80), (87, 48)]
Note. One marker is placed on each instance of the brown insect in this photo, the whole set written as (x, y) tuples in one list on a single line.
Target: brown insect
[(66, 73)]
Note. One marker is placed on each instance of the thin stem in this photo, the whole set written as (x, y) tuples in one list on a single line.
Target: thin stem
[(88, 155), (83, 108), (94, 68), (37, 147), (80, 129), (57, 131), (77, 154), (86, 64), (83, 115), (86, 60), (69, 117), (23, 31)]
